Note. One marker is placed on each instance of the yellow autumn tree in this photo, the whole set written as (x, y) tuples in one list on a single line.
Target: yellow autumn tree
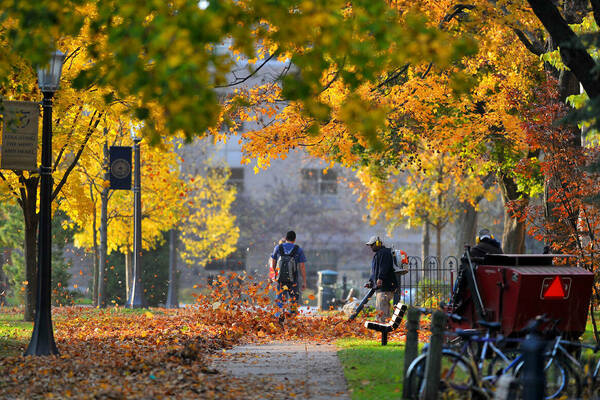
[(467, 110), (208, 229), (197, 206), (77, 117), (426, 191)]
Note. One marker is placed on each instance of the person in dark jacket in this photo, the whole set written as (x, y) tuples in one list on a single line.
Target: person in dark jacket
[(382, 277), (484, 244)]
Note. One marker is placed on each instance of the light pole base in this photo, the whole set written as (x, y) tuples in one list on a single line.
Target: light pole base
[(42, 340)]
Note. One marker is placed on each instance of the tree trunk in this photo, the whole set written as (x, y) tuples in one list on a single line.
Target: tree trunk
[(172, 294), (513, 237), (96, 261), (102, 271), (467, 227), (128, 273), (29, 207)]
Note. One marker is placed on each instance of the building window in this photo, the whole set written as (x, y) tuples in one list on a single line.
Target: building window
[(316, 181), (236, 178), (236, 261)]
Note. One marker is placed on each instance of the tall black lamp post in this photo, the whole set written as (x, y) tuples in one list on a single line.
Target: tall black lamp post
[(136, 299), (42, 340)]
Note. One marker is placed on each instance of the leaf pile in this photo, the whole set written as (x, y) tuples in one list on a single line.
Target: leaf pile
[(153, 354)]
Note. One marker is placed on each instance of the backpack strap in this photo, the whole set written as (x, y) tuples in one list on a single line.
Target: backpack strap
[(280, 250), (294, 251)]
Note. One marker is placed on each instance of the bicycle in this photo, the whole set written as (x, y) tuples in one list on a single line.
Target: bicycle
[(581, 379), (457, 373), (464, 372)]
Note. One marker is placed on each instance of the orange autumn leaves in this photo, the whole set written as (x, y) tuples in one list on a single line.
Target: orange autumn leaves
[(118, 353)]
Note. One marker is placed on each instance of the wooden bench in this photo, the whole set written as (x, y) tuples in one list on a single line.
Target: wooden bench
[(394, 322)]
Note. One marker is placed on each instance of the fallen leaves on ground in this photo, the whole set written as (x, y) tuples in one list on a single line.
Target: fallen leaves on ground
[(154, 354)]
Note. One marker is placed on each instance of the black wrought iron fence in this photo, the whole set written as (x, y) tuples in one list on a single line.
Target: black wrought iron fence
[(428, 283)]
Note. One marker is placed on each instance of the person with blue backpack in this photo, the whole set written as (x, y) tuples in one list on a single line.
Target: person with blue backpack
[(287, 260)]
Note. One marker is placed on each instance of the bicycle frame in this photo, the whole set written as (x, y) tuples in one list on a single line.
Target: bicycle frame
[(488, 345)]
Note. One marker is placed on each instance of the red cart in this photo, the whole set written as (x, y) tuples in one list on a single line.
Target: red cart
[(512, 289)]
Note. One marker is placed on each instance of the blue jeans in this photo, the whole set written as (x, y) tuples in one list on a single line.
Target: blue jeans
[(287, 295)]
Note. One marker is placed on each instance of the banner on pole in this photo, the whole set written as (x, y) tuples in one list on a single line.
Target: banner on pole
[(19, 135), (120, 167)]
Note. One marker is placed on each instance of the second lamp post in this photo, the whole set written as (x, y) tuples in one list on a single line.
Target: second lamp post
[(136, 299)]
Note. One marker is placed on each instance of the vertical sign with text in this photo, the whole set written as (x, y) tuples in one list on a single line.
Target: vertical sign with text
[(19, 135)]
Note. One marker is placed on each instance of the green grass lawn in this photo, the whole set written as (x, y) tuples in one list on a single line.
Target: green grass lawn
[(14, 333), (373, 371)]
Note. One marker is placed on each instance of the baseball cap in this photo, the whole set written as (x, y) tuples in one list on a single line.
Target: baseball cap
[(372, 240)]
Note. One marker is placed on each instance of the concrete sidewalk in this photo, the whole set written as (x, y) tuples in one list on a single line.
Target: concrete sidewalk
[(284, 370)]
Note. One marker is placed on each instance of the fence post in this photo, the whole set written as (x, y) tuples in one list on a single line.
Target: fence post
[(434, 356), (533, 379), (411, 348)]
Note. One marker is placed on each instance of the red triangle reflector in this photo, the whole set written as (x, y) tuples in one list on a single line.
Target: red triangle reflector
[(555, 290)]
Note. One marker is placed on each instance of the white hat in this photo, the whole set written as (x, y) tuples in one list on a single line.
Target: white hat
[(372, 240)]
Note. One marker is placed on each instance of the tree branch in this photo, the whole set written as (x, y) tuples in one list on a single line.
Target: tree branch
[(62, 150), (457, 10), (76, 159), (572, 51), (399, 72), (536, 48), (244, 79), (335, 77)]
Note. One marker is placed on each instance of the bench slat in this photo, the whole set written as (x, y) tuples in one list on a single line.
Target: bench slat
[(393, 323)]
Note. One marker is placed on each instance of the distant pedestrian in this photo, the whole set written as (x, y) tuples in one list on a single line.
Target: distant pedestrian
[(271, 268), (383, 277), (287, 260)]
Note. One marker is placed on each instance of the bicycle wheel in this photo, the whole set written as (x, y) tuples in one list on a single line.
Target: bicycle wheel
[(497, 367), (457, 376), (557, 379), (594, 382)]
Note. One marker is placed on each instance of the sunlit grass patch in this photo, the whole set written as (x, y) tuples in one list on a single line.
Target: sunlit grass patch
[(372, 371), (14, 333)]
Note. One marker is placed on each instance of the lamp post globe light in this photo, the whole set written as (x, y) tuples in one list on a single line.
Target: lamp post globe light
[(42, 339), (136, 298)]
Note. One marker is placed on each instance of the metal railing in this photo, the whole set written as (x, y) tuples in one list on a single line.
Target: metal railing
[(428, 283)]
